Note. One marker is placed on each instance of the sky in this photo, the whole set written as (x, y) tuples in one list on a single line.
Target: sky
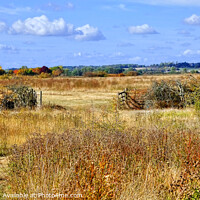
[(98, 32)]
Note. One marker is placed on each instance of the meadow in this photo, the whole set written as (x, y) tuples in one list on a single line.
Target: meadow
[(78, 142)]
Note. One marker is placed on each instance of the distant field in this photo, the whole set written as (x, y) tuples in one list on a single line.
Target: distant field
[(82, 91), (82, 83), (78, 98)]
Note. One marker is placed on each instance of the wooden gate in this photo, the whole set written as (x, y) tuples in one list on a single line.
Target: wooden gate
[(131, 99)]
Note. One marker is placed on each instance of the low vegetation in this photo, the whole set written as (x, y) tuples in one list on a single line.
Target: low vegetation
[(99, 151), (18, 96)]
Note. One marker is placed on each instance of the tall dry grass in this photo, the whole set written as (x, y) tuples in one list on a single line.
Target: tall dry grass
[(105, 154), (82, 83), (101, 153)]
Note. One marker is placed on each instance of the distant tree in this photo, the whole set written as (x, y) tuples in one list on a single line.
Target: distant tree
[(77, 72), (130, 69), (24, 67), (56, 67), (173, 70), (15, 71), (45, 69), (132, 73), (36, 70), (2, 71), (89, 74), (57, 72), (184, 70), (95, 74), (67, 72), (24, 71), (194, 71), (102, 74), (197, 65), (10, 72)]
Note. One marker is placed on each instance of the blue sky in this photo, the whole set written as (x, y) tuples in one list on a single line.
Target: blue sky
[(97, 32)]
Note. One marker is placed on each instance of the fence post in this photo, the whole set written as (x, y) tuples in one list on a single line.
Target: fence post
[(40, 98), (118, 101)]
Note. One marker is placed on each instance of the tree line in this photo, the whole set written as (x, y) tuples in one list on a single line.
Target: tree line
[(104, 70)]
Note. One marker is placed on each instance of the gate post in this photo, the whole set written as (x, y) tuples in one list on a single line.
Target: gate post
[(40, 98)]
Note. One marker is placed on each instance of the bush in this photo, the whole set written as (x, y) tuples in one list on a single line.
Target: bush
[(132, 73), (95, 74), (44, 75), (2, 71), (19, 96), (57, 72), (166, 94)]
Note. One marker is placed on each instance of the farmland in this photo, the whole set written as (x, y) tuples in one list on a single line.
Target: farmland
[(80, 143)]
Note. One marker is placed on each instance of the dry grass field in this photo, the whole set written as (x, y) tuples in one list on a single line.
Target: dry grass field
[(89, 147)]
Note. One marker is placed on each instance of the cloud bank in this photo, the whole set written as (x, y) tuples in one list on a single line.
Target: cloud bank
[(42, 26)]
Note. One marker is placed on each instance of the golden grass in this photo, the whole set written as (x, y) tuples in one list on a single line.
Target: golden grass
[(92, 148), (75, 92), (142, 154), (105, 84), (78, 98)]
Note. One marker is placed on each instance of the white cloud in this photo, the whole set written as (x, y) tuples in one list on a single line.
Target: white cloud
[(184, 32), (135, 59), (143, 29), (191, 52), (7, 47), (77, 54), (42, 26), (193, 20), (52, 6), (125, 44), (114, 7), (187, 52), (117, 55), (89, 33), (56, 7), (69, 5), (122, 6), (2, 26), (169, 2), (14, 10)]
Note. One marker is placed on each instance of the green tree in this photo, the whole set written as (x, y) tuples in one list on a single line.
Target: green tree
[(184, 70), (2, 71), (24, 67), (173, 70)]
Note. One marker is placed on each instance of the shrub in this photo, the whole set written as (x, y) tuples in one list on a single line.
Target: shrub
[(44, 75), (166, 94), (132, 73), (19, 96), (57, 72), (2, 71), (95, 74)]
